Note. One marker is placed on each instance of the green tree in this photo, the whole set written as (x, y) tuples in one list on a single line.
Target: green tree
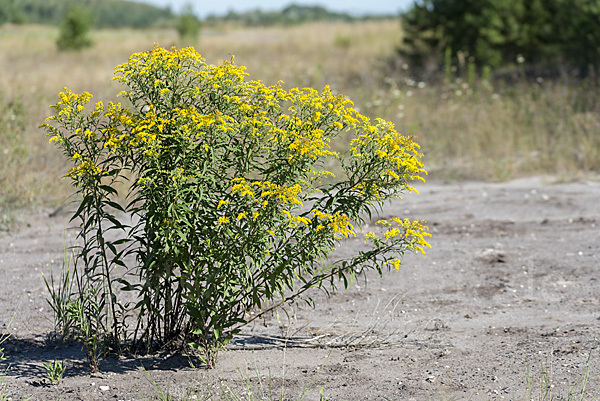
[(575, 33), (188, 25), (74, 30), (497, 32), (9, 12)]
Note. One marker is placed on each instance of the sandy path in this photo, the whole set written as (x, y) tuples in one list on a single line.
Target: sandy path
[(512, 274)]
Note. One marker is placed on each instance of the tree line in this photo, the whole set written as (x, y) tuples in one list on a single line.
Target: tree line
[(290, 15), (105, 13), (123, 13)]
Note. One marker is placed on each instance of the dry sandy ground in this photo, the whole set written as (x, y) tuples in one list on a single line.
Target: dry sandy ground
[(512, 276)]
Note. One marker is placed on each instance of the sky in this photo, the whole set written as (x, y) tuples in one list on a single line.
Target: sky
[(219, 7)]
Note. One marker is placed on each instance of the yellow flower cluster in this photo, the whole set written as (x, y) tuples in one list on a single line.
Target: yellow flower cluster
[(338, 222), (370, 189), (252, 197), (84, 167), (414, 232), (70, 105), (264, 191), (157, 63), (191, 123), (225, 74), (310, 143), (313, 120), (127, 130), (395, 263), (397, 154)]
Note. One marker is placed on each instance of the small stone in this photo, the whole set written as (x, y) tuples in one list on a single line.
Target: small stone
[(492, 256), (104, 388)]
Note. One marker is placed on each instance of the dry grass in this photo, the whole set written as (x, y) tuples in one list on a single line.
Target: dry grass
[(548, 128), (529, 129)]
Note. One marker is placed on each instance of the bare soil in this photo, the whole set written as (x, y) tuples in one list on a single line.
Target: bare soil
[(508, 291)]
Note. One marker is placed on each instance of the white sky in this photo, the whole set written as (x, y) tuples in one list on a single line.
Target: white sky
[(219, 7)]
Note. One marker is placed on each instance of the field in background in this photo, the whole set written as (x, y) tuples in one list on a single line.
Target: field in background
[(467, 131)]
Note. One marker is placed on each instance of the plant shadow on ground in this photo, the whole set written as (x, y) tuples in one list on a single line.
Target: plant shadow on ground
[(26, 356)]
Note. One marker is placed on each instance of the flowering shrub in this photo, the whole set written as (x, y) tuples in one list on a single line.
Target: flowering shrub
[(226, 188)]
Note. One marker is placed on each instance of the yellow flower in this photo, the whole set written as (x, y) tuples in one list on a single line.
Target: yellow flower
[(85, 168), (393, 174), (396, 263), (242, 187), (89, 135), (301, 220), (341, 225), (381, 154), (371, 237), (414, 232), (392, 233)]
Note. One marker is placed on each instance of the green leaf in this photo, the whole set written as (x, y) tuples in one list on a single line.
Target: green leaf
[(85, 203), (108, 189)]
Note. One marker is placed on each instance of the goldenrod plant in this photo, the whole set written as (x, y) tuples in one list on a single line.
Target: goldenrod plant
[(233, 207)]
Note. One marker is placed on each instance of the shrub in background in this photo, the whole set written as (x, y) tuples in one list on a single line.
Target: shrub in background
[(74, 29), (188, 25), (231, 214)]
